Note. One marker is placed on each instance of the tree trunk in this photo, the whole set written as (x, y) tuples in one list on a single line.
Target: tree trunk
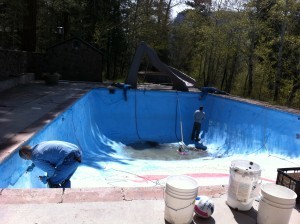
[(216, 68), (168, 11), (232, 74), (279, 61), (209, 67), (29, 26), (212, 69), (250, 69), (108, 61), (205, 78), (200, 69), (296, 87), (225, 73), (65, 25)]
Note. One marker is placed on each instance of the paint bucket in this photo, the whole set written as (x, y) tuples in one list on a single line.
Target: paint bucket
[(180, 195), (243, 184), (276, 204)]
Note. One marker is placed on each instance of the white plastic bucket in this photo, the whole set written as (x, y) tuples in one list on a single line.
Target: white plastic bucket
[(243, 184), (180, 194), (276, 205)]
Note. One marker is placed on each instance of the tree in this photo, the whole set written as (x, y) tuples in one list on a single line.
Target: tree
[(11, 27), (29, 26), (282, 31)]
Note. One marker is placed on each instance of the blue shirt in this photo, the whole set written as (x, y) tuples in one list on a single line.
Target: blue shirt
[(48, 155)]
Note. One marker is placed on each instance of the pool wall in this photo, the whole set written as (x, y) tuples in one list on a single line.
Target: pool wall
[(241, 127), (101, 122)]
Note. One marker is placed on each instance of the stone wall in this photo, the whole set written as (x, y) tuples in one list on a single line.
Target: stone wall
[(13, 63), (25, 78), (38, 64)]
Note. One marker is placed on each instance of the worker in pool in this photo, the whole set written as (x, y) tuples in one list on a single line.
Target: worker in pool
[(199, 116), (57, 158)]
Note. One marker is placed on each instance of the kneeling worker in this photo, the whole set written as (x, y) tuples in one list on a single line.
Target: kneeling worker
[(57, 158)]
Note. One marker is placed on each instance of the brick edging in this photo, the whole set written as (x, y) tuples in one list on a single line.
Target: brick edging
[(79, 195)]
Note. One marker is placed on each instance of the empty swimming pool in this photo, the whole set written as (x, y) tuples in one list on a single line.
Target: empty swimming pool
[(133, 140)]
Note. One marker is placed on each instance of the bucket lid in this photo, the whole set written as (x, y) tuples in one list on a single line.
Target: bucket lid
[(277, 193), (182, 182)]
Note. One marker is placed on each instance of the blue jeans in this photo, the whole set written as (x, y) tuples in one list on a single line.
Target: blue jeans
[(64, 172), (196, 131)]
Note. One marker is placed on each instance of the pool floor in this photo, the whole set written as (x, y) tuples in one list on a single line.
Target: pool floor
[(149, 167)]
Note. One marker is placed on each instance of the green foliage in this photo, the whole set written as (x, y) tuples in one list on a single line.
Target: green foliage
[(10, 23), (251, 50)]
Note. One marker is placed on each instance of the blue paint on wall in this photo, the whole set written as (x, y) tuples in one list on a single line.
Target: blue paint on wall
[(102, 122), (240, 127)]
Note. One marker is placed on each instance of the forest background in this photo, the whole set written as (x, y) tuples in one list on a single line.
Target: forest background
[(248, 48)]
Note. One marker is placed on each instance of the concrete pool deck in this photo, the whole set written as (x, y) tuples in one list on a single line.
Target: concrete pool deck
[(110, 205), (25, 110)]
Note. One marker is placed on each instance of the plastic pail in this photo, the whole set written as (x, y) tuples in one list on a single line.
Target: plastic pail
[(180, 194), (276, 205), (243, 184)]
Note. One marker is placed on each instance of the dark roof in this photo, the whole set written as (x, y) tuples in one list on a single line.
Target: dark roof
[(78, 39)]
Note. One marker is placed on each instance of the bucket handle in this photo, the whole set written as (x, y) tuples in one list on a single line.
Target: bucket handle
[(174, 209)]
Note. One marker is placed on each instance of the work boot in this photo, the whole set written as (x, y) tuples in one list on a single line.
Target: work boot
[(66, 184), (50, 185)]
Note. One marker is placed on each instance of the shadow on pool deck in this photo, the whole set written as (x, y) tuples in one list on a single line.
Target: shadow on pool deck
[(26, 109)]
